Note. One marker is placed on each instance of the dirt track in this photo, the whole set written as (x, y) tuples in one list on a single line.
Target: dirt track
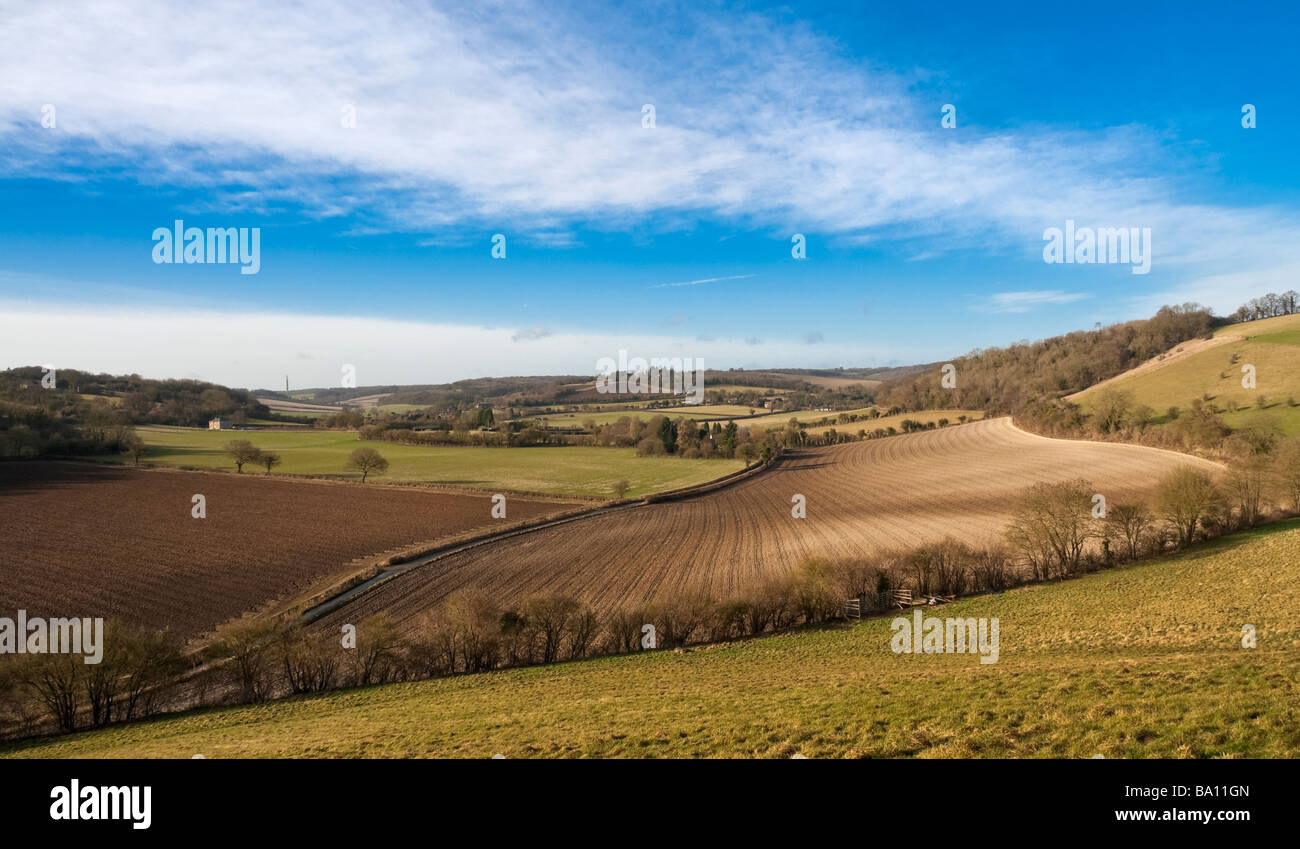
[(958, 481)]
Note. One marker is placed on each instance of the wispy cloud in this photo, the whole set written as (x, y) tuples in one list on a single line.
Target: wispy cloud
[(1020, 302), (445, 141), (530, 334), (704, 280)]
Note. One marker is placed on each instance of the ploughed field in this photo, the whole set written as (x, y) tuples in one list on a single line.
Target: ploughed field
[(1140, 661), (79, 540), (861, 497)]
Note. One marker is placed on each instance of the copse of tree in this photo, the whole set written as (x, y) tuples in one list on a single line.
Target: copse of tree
[(242, 451), (367, 461), (1268, 306), (124, 685)]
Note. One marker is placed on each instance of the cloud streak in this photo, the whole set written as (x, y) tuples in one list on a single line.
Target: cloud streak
[(703, 280), (1022, 302), (465, 116)]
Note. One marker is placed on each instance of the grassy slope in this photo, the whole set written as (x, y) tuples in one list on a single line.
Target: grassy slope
[(568, 470), (1139, 661), (1271, 345)]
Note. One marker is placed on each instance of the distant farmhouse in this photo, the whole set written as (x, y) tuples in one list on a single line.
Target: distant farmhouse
[(218, 424)]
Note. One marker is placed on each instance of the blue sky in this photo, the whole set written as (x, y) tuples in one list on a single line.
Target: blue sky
[(526, 120)]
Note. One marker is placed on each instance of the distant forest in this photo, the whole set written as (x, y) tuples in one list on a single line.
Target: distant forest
[(85, 413)]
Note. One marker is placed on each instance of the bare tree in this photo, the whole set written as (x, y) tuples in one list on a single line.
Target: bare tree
[(310, 662), (246, 643), (269, 459), (1114, 409), (57, 681), (242, 451), (1246, 483), (366, 460), (1286, 471), (1130, 525), (474, 622), (135, 446), (1052, 524), (549, 615), (1187, 497), (377, 657)]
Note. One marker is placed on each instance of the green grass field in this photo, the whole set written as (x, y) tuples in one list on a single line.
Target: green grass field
[(1142, 661), (562, 470), (1271, 345)]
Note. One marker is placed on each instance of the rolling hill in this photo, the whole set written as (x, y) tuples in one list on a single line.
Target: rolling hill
[(1141, 661), (1211, 370), (960, 481)]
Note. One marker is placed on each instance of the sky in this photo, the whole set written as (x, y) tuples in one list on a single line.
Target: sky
[(380, 148)]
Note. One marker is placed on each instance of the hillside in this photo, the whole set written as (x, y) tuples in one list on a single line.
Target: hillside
[(1211, 370), (959, 481), (1143, 661)]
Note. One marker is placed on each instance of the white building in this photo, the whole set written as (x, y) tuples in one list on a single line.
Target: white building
[(219, 424)]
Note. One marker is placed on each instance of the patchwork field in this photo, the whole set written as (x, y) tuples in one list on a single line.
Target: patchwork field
[(896, 492), (1213, 367), (557, 470), (1142, 661), (79, 540)]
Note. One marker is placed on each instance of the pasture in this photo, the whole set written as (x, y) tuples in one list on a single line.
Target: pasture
[(1213, 368), (583, 471)]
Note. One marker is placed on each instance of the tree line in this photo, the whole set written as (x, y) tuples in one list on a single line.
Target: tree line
[(1268, 306)]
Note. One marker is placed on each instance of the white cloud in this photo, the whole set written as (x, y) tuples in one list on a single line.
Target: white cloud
[(530, 334), (703, 280), (1019, 302), (257, 350), (529, 116)]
